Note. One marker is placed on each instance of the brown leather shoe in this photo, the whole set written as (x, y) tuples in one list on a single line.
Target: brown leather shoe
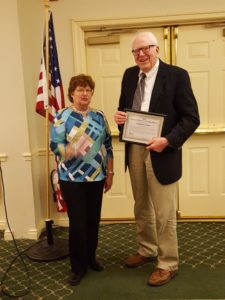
[(160, 277), (137, 260)]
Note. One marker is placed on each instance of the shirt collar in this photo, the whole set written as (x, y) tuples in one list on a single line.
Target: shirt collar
[(152, 71)]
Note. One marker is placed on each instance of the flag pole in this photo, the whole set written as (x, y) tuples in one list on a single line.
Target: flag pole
[(50, 249), (47, 7), (48, 221)]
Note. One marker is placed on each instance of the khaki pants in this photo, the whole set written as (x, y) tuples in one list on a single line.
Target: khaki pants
[(154, 210)]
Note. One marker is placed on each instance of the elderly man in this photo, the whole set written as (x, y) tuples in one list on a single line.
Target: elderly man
[(155, 168)]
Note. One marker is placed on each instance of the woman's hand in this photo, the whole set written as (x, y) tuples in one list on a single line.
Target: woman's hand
[(108, 182), (69, 151), (120, 117)]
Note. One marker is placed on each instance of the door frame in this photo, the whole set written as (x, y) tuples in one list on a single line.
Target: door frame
[(120, 25)]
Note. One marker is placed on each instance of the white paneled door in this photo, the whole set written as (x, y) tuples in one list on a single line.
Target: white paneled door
[(201, 50)]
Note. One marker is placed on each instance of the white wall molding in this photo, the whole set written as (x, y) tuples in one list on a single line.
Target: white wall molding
[(42, 152), (27, 156), (79, 48), (153, 21), (3, 157)]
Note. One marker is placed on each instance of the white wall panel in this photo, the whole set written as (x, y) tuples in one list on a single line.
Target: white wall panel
[(198, 171)]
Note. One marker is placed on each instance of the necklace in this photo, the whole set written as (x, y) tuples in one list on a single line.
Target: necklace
[(82, 112)]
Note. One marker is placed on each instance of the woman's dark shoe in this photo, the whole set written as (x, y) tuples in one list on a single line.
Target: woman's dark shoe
[(75, 279), (96, 266)]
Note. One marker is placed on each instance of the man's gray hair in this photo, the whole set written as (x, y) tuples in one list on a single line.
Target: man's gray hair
[(146, 34)]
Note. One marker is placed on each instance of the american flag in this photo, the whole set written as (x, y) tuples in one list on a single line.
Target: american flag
[(51, 95)]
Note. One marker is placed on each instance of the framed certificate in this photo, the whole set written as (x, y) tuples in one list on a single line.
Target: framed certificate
[(140, 126)]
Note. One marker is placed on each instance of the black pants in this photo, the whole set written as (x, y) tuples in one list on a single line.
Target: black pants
[(84, 202)]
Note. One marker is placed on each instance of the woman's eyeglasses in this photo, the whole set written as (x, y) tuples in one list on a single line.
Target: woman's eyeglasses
[(145, 50), (84, 90)]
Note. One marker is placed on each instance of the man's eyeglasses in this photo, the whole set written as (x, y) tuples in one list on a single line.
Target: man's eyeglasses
[(145, 50)]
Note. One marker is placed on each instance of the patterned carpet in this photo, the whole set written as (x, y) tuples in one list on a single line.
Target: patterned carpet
[(202, 255)]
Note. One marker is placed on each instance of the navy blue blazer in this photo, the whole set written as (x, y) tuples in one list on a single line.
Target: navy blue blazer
[(172, 95)]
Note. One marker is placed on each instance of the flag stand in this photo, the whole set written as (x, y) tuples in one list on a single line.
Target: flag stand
[(51, 248)]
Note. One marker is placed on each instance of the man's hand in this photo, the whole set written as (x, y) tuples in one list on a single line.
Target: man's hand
[(120, 117), (157, 144)]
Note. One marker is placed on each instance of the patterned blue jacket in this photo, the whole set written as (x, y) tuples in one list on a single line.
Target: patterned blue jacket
[(91, 140)]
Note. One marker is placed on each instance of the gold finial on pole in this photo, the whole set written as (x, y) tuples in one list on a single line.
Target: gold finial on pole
[(46, 4)]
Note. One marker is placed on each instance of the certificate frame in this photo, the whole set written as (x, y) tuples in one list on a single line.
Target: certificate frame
[(141, 126)]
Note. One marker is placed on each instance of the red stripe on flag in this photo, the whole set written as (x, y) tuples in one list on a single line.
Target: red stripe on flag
[(54, 98)]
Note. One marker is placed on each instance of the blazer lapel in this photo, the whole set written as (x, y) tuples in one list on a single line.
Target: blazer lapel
[(132, 85), (158, 86)]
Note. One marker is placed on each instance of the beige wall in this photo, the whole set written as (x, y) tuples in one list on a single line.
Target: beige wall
[(15, 143), (22, 131)]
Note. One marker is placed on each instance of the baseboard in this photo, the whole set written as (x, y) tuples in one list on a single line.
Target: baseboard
[(180, 219), (117, 220), (62, 222), (2, 225), (7, 235), (34, 233), (201, 219), (31, 234)]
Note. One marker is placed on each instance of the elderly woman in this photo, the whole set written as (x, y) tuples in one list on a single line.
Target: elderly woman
[(81, 140)]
